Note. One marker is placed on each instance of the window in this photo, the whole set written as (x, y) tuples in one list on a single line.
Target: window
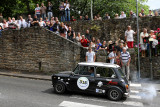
[(84, 70), (105, 72)]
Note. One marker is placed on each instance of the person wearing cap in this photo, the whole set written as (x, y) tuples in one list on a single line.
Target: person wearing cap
[(125, 62), (90, 56), (112, 56)]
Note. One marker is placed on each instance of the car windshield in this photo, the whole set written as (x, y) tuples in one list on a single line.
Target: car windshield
[(120, 73)]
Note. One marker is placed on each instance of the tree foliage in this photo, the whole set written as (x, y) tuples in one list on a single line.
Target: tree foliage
[(78, 7)]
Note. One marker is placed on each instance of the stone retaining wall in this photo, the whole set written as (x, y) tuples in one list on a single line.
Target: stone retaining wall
[(38, 49)]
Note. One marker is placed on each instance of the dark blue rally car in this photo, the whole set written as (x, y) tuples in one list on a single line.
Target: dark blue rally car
[(98, 78)]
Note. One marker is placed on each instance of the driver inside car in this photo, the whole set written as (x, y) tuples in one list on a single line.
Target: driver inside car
[(91, 71)]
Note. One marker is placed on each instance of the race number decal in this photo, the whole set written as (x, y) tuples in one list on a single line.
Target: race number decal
[(83, 83)]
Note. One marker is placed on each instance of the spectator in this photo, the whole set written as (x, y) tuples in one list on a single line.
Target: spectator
[(41, 23), (116, 16), (22, 23), (73, 19), (9, 20), (51, 27), (84, 42), (46, 20), (90, 55), (141, 14), (38, 11), (35, 21), (110, 46), (81, 18), (86, 17), (78, 38), (125, 45), (125, 61), (156, 13), (129, 36), (143, 35), (62, 11), (52, 20), (67, 10), (49, 10), (88, 36), (0, 31), (47, 26), (98, 17), (43, 11), (112, 56), (123, 15), (132, 15), (152, 35), (118, 61), (104, 46), (62, 30), (150, 13), (95, 17), (98, 44), (56, 27), (93, 43), (107, 16), (117, 47), (70, 34), (121, 47), (29, 21), (154, 47), (5, 24), (14, 21)]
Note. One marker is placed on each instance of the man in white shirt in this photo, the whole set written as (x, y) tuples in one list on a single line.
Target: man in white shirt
[(112, 56), (129, 36), (90, 56), (67, 10), (143, 35), (38, 11)]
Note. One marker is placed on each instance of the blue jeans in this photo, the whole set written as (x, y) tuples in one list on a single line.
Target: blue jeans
[(62, 18), (43, 16), (50, 14), (67, 15)]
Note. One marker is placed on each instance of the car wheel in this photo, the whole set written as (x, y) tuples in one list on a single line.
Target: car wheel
[(59, 88), (114, 94)]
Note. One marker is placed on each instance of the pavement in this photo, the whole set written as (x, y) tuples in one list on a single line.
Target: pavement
[(26, 92), (25, 75)]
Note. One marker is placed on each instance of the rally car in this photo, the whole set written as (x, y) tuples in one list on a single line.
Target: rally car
[(98, 78)]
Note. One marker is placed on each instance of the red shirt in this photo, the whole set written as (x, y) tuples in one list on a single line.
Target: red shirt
[(84, 42)]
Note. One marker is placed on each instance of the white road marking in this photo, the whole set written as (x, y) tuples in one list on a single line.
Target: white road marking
[(135, 92), (75, 104), (135, 85), (132, 103), (135, 96)]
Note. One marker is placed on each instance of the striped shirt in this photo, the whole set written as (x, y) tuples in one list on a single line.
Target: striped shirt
[(125, 57)]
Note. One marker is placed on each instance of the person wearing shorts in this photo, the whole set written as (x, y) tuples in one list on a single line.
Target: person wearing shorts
[(129, 36), (143, 35)]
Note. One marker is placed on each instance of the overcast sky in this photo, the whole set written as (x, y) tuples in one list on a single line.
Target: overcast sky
[(154, 4)]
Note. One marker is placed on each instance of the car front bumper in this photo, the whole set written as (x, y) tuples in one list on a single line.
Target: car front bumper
[(126, 95)]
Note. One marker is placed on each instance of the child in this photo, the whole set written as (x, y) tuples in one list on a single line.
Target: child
[(118, 62)]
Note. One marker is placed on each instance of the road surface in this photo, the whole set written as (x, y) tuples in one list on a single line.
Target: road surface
[(20, 92)]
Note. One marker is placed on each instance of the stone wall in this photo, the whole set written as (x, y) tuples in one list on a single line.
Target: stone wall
[(114, 28), (38, 49)]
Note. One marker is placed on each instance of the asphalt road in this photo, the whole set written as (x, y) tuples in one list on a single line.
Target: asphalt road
[(20, 92)]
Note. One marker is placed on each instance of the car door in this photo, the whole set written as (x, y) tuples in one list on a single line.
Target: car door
[(82, 80), (105, 77)]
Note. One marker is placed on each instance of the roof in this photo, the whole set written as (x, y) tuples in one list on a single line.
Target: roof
[(101, 64)]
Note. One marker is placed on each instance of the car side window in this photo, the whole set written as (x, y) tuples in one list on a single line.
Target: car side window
[(105, 72), (84, 70)]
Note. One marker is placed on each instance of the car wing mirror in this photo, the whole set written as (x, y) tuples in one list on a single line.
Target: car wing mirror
[(73, 73), (98, 75)]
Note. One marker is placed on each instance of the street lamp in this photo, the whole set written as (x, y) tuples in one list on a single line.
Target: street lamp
[(150, 56), (138, 41)]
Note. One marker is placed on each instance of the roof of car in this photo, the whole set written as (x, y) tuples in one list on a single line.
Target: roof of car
[(99, 64)]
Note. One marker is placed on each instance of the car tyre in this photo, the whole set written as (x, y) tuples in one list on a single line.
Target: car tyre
[(59, 88), (114, 94)]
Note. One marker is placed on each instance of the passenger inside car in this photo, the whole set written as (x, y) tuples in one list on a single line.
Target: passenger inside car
[(91, 71)]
